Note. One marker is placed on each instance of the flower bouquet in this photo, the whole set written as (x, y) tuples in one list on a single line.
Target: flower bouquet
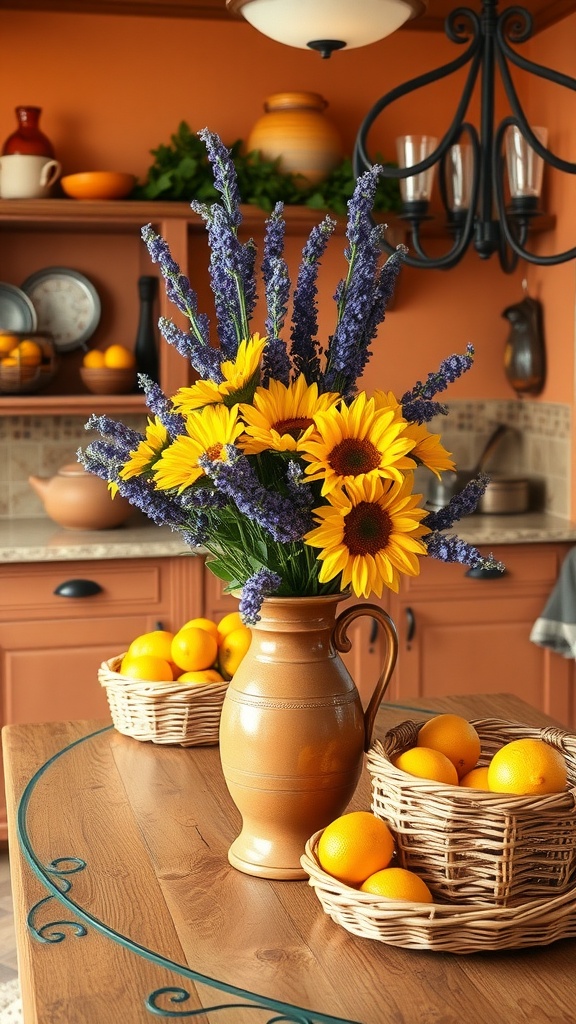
[(294, 481)]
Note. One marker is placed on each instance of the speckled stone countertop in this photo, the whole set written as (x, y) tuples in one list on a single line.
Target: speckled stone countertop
[(41, 540)]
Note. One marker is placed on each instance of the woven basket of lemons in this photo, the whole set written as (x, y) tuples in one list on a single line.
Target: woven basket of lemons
[(437, 926), (170, 687), (473, 846), (183, 714)]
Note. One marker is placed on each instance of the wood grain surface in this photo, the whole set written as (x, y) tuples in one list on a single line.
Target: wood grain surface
[(154, 825)]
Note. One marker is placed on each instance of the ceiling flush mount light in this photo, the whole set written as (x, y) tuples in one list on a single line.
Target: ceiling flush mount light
[(327, 25), (473, 163)]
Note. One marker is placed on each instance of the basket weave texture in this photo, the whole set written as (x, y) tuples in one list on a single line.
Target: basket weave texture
[(472, 846), (188, 716), (451, 928)]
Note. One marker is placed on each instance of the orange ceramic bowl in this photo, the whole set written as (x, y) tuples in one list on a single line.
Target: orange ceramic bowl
[(98, 185), (107, 381)]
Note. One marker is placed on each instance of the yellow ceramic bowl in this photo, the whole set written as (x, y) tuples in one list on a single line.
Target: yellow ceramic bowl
[(98, 185)]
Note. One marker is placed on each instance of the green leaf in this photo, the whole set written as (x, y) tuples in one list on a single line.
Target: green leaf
[(181, 172)]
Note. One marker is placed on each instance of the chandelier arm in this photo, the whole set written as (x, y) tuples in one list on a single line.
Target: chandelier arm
[(473, 55), (504, 51)]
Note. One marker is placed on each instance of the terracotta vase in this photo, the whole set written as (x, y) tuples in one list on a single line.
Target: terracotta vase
[(28, 138), (295, 130), (293, 730)]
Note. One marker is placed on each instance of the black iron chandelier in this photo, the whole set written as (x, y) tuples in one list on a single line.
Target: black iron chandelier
[(472, 163)]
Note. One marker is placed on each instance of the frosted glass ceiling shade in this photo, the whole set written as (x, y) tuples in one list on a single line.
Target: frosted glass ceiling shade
[(338, 23)]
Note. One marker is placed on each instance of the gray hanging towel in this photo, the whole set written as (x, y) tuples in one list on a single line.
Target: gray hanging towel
[(556, 626)]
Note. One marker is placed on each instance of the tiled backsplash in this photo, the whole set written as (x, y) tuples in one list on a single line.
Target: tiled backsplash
[(538, 446), (38, 446)]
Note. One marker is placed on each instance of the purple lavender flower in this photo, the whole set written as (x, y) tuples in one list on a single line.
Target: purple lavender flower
[(125, 438), (460, 505), (224, 174), (262, 583), (305, 347), (237, 479), (204, 358), (360, 207), (454, 549), (161, 406), (178, 286), (450, 370), (231, 278), (276, 362)]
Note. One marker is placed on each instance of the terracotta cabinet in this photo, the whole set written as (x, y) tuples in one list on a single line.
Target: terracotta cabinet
[(52, 639), (460, 634)]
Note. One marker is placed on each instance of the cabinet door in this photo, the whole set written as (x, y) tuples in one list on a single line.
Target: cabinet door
[(464, 635)]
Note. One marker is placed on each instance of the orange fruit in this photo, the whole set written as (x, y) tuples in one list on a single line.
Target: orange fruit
[(227, 623), (147, 668), (354, 846), (8, 342), (193, 649), (30, 352), (398, 884), (232, 650), (118, 357), (454, 737), (158, 643), (205, 675), (526, 767), (426, 763), (94, 358), (476, 779), (206, 624)]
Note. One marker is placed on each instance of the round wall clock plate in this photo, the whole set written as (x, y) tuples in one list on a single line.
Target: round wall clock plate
[(66, 303)]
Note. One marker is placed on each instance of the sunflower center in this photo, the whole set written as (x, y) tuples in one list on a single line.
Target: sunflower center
[(214, 451), (354, 455), (293, 426), (367, 529)]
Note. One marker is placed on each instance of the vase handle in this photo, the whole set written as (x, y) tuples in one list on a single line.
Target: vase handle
[(343, 644)]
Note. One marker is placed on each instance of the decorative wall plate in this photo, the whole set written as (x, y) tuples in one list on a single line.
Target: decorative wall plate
[(17, 313), (66, 303)]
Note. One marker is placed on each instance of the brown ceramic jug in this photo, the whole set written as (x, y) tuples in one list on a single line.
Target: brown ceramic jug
[(78, 500), (293, 730)]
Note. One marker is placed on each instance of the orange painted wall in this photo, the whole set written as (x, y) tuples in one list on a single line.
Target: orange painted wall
[(113, 87)]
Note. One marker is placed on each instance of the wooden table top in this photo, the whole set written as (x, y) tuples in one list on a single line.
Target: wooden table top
[(139, 835)]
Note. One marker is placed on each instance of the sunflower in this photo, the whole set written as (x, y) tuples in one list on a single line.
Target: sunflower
[(357, 441), (282, 417), (142, 459), (241, 377), (428, 449), (207, 431), (370, 533)]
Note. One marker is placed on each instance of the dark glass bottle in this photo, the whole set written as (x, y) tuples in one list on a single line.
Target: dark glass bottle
[(28, 138), (145, 348)]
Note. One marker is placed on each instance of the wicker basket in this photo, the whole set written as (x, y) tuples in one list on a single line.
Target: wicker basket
[(471, 846), (163, 712), (441, 927)]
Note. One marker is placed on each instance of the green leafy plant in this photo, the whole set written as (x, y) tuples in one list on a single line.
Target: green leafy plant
[(181, 172)]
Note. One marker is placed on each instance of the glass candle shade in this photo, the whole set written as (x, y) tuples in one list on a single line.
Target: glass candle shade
[(411, 150), (459, 174), (525, 167)]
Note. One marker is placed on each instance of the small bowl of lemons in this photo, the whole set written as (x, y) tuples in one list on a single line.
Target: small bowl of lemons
[(109, 371), (28, 361)]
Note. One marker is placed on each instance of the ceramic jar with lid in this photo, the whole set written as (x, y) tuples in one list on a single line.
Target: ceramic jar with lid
[(78, 500), (295, 130)]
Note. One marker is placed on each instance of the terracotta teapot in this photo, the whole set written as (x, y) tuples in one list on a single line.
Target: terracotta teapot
[(78, 500)]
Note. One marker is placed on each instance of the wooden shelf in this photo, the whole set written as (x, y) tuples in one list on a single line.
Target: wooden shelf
[(102, 215), (70, 405)]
